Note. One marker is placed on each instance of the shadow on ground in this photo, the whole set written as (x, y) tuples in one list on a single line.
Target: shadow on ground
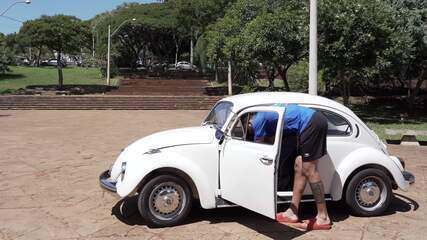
[(127, 212), (8, 76)]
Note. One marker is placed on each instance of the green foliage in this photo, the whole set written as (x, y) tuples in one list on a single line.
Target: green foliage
[(196, 15), (361, 43), (273, 33), (154, 34), (355, 37), (10, 48), (277, 39), (59, 33), (408, 54)]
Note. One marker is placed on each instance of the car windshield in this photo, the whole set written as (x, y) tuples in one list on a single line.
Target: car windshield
[(219, 114)]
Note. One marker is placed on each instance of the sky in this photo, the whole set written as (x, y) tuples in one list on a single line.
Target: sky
[(83, 9)]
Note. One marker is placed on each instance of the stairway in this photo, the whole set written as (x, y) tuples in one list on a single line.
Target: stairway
[(162, 87), (107, 102)]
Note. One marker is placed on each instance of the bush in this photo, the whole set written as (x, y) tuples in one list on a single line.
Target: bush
[(4, 68), (114, 71)]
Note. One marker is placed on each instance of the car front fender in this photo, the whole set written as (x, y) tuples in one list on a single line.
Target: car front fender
[(138, 169), (365, 156)]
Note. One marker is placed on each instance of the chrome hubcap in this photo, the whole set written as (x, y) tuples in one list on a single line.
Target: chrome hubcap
[(166, 200), (370, 193)]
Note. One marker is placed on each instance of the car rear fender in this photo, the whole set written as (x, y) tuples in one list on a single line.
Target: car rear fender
[(359, 159)]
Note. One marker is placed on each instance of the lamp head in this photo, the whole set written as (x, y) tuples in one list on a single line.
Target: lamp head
[(134, 19), (27, 1)]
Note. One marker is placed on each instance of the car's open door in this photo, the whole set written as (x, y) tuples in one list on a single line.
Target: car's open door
[(248, 168)]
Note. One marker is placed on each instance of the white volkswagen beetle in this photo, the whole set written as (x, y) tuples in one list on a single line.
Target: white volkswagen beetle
[(220, 165)]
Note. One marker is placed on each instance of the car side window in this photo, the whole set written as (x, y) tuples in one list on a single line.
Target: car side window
[(244, 128), (337, 125)]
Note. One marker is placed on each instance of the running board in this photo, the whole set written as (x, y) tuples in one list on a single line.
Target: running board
[(222, 203), (285, 197), (282, 198)]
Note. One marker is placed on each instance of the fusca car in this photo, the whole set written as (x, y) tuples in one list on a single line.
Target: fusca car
[(219, 164)]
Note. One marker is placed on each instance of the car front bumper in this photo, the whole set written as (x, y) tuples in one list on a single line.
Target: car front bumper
[(106, 182), (409, 177)]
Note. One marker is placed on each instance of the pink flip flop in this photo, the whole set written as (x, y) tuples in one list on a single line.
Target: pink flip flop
[(312, 225), (283, 219)]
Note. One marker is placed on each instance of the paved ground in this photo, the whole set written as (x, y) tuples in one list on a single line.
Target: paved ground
[(49, 167)]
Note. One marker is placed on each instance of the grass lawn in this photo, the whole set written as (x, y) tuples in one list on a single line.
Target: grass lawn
[(20, 77), (388, 115), (380, 128)]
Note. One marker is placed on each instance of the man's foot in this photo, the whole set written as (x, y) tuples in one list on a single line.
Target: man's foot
[(323, 219), (317, 224), (287, 217)]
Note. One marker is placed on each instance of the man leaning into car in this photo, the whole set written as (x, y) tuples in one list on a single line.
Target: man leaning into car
[(311, 128)]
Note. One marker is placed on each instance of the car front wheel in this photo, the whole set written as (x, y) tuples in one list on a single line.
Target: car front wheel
[(369, 193), (165, 201)]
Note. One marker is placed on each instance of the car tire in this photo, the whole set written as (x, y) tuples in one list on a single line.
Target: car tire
[(369, 193), (165, 201)]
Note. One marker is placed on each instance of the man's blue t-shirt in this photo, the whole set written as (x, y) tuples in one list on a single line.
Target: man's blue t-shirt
[(296, 120), (264, 124)]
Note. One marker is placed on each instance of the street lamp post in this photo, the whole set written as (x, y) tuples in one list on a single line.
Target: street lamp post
[(109, 46), (93, 38), (312, 75), (13, 4)]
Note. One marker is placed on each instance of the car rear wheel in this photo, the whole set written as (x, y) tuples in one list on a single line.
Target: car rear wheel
[(369, 193), (165, 201)]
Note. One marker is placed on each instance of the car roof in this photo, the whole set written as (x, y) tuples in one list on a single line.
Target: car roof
[(242, 101)]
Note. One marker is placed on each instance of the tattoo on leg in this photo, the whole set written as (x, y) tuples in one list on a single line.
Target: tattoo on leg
[(318, 192)]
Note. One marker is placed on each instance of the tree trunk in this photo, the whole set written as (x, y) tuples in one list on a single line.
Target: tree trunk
[(345, 88), (176, 53), (414, 92), (38, 57), (216, 72), (328, 87), (283, 72), (60, 76), (176, 49), (191, 50), (270, 76), (346, 96)]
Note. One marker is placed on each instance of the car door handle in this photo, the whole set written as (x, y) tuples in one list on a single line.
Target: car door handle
[(266, 161)]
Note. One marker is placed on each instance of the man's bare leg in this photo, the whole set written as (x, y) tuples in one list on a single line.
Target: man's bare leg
[(298, 189), (309, 169)]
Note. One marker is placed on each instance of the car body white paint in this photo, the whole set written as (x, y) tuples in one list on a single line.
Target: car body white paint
[(195, 151)]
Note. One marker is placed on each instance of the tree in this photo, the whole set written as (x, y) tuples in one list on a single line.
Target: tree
[(408, 55), (194, 16), (155, 33), (32, 34), (3, 66), (355, 37), (278, 39), (60, 34), (224, 38)]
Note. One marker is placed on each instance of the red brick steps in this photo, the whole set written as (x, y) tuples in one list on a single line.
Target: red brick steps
[(162, 87), (107, 102)]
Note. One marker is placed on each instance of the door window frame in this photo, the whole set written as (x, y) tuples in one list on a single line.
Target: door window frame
[(344, 116)]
